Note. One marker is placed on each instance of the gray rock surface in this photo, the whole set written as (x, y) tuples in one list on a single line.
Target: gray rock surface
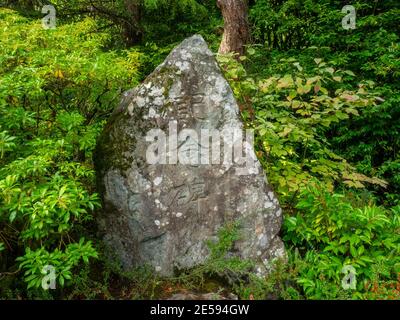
[(202, 296), (162, 214)]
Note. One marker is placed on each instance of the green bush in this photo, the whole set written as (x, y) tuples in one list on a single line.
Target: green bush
[(56, 90), (331, 232), (323, 101), (312, 29), (292, 114)]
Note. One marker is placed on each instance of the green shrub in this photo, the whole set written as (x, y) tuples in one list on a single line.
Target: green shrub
[(330, 232), (292, 114), (56, 90), (324, 231)]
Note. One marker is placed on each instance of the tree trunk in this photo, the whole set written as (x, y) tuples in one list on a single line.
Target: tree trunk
[(130, 19), (132, 28), (236, 26)]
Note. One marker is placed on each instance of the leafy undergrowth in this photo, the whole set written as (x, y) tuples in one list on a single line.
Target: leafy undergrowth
[(333, 223), (56, 90), (324, 105)]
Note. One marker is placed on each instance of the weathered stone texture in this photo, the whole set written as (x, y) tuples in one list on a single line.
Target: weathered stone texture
[(162, 214)]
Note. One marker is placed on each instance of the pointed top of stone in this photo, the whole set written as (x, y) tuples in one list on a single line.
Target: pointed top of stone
[(196, 41), (191, 50), (195, 45)]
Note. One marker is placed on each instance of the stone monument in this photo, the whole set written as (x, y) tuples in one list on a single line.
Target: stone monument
[(175, 164)]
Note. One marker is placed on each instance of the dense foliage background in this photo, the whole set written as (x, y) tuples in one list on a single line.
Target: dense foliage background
[(324, 101)]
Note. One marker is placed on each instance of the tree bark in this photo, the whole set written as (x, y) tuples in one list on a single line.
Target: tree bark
[(130, 19), (236, 26), (132, 28)]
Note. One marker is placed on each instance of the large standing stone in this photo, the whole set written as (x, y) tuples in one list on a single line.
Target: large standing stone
[(162, 214)]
